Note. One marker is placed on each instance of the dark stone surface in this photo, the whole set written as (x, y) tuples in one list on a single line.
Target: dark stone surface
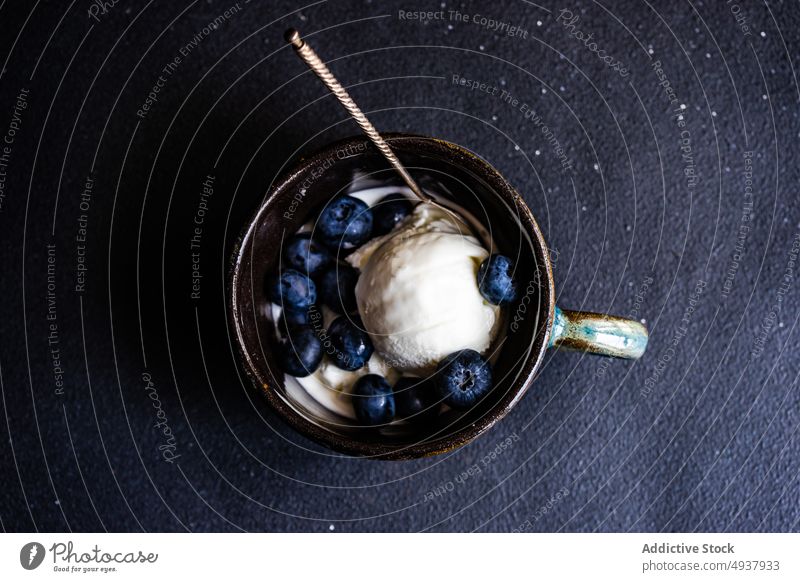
[(709, 443)]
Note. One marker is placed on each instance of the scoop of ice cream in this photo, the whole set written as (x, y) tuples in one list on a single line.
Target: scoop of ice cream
[(418, 294)]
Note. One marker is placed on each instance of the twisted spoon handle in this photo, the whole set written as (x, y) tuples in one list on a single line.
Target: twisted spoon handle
[(315, 64)]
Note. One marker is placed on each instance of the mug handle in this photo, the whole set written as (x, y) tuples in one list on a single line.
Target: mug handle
[(597, 333)]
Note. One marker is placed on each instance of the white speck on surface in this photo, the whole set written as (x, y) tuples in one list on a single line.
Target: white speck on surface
[(713, 114), (708, 55), (537, 152), (643, 320), (561, 88), (683, 106), (583, 208), (764, 97), (482, 47), (763, 34), (628, 227), (650, 50), (596, 167), (544, 90), (331, 527), (516, 148), (449, 27), (494, 118)]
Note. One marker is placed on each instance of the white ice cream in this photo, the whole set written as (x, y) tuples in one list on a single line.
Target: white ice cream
[(418, 295)]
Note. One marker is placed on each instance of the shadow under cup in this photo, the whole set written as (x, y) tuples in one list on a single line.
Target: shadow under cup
[(453, 173)]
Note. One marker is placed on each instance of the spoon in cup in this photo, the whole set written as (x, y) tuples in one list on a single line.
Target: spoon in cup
[(316, 64)]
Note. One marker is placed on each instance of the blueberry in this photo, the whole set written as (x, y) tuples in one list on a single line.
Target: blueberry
[(306, 255), (373, 400), (292, 290), (293, 317), (496, 281), (300, 351), (346, 223), (388, 212), (463, 378), (337, 288), (416, 399), (351, 343)]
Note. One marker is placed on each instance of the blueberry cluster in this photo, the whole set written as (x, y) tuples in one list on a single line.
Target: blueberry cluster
[(314, 274), (460, 381)]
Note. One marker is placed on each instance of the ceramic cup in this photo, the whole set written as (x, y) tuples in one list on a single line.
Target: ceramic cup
[(533, 323)]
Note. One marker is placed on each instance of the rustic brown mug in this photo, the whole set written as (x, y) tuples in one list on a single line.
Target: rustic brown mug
[(534, 323)]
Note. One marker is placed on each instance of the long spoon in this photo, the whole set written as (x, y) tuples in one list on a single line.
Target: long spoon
[(315, 63)]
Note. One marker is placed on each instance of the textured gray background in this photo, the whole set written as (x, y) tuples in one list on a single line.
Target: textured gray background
[(710, 446)]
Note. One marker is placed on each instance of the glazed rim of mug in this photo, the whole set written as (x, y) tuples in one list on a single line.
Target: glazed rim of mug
[(344, 443)]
